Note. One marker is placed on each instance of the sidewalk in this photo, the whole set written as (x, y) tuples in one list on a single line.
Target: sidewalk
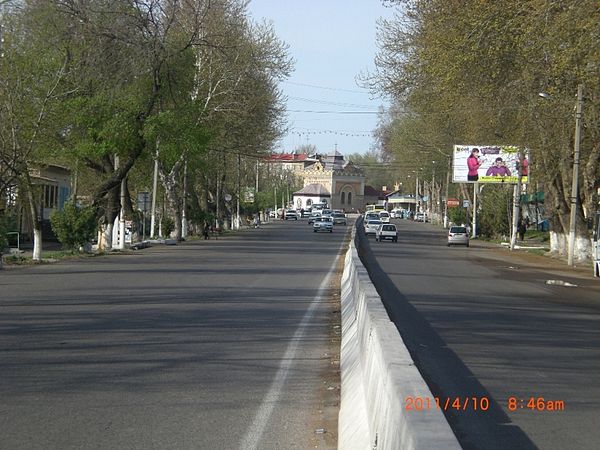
[(553, 266)]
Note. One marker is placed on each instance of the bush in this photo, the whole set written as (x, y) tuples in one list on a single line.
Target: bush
[(74, 226), (168, 226)]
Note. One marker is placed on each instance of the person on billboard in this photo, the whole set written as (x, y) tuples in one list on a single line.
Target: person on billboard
[(498, 169), (525, 167), (473, 164)]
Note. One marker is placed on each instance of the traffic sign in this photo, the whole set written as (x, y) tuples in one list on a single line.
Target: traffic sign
[(452, 202)]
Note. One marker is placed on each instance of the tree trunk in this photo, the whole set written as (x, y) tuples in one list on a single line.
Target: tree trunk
[(170, 184), (36, 220)]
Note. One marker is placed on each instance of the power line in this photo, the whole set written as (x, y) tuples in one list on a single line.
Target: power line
[(325, 102), (328, 88), (331, 112)]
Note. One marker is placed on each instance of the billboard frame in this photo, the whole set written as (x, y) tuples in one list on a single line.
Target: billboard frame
[(486, 172)]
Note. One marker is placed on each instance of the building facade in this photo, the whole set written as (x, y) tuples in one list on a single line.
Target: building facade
[(333, 178)]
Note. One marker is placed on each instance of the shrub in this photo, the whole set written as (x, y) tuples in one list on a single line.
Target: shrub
[(74, 226), (168, 226)]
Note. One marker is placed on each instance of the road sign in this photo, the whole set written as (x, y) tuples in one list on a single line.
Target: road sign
[(143, 201), (452, 202)]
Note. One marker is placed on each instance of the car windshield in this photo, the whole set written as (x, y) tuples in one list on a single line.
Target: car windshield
[(374, 222), (389, 228), (383, 214), (458, 230)]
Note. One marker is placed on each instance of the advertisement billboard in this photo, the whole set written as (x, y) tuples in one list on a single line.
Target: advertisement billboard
[(488, 164)]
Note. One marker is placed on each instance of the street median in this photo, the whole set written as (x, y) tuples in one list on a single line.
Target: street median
[(380, 382)]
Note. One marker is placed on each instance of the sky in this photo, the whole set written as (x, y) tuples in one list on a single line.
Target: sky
[(331, 42)]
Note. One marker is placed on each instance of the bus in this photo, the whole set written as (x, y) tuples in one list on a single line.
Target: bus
[(374, 208)]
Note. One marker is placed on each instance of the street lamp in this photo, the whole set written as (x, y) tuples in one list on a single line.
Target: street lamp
[(575, 178)]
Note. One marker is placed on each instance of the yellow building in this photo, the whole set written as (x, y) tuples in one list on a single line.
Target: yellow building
[(332, 180)]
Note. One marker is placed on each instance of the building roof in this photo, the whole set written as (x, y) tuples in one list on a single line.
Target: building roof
[(289, 157), (314, 189), (370, 191)]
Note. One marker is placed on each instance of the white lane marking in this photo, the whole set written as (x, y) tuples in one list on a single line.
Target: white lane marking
[(261, 419)]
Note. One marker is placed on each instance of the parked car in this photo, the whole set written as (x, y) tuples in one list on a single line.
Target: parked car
[(371, 227), (397, 214), (313, 216), (384, 216), (387, 231), (458, 236), (327, 213), (421, 217), (291, 214), (323, 224), (339, 218)]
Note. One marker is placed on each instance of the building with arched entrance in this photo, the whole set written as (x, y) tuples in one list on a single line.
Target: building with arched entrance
[(334, 180)]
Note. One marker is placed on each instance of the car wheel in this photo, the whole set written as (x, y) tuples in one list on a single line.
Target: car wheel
[(467, 245), (315, 231), (331, 231)]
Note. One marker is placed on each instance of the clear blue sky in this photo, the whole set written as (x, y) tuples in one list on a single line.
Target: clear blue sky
[(331, 41)]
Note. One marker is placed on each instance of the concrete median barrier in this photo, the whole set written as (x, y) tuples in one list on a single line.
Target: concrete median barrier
[(385, 403)]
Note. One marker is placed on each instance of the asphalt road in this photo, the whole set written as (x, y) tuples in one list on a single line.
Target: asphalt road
[(218, 344), (483, 325)]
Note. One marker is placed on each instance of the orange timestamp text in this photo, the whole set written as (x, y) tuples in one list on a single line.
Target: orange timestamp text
[(535, 404), (412, 403)]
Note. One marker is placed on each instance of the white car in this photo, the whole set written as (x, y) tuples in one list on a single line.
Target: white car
[(387, 231), (323, 224), (397, 214), (313, 216), (384, 216), (339, 218), (371, 226), (371, 216), (458, 236), (291, 214)]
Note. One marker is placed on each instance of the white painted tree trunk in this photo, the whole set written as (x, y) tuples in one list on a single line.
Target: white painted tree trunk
[(108, 236), (559, 244), (37, 244)]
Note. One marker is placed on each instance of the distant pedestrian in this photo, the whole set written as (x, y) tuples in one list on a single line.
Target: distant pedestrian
[(206, 231), (521, 229)]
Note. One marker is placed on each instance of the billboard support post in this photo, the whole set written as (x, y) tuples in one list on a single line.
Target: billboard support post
[(474, 227)]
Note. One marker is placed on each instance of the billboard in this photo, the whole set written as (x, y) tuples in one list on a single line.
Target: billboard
[(488, 164)]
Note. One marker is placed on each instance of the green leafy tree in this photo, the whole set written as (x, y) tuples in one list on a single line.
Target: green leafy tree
[(470, 72), (74, 226)]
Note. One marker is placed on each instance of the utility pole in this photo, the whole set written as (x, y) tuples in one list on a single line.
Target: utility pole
[(154, 194), (239, 189), (516, 203), (575, 180), (184, 227)]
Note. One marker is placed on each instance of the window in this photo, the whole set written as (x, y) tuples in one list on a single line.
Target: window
[(343, 198), (349, 198), (50, 196)]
